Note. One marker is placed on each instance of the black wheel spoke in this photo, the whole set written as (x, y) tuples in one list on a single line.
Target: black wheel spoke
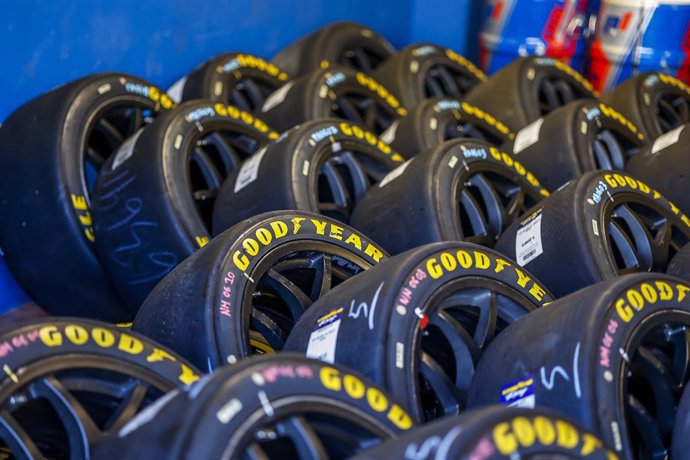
[(255, 452), (646, 428), (272, 333), (229, 156), (303, 438), (110, 133), (433, 86), (337, 187), (464, 349), (548, 97), (608, 152), (296, 300), (564, 91), (371, 116), (17, 439), (360, 59), (488, 318), (625, 247), (668, 117), (641, 236), (358, 176), (136, 119), (448, 82), (480, 227), (254, 93), (349, 110), (239, 100), (324, 275), (131, 404), (95, 157), (447, 395), (210, 173), (495, 212)]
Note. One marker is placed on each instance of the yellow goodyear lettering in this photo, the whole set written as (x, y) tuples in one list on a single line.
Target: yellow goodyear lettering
[(516, 166), (82, 208), (371, 138), (673, 81), (356, 389), (562, 66), (463, 61), (524, 432), (381, 91), (201, 241), (490, 119), (255, 62), (617, 116), (246, 118), (251, 244), (638, 297)]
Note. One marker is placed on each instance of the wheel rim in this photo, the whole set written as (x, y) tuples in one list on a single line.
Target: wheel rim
[(441, 80), (110, 128), (641, 237), (213, 158), (364, 110), (671, 111), (249, 94), (463, 318), (361, 58), (610, 150), (487, 201), (552, 93), (80, 405), (657, 373), (288, 281)]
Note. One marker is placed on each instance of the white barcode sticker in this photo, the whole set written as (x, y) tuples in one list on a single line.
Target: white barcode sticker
[(388, 135), (667, 139), (528, 239), (276, 97), (175, 91), (527, 136), (249, 170), (324, 336), (126, 150), (395, 173)]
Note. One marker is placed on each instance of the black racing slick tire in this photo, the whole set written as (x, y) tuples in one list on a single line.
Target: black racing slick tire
[(680, 444), (529, 88), (437, 120), (242, 293), (584, 135), (334, 92), (52, 149), (68, 383), (680, 264), (424, 70), (153, 201), (238, 79), (418, 322), (655, 102), (342, 43), (613, 356), (495, 433), (666, 165), (271, 407), (323, 166), (600, 226), (462, 189)]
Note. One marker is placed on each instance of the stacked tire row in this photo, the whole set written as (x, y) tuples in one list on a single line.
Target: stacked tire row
[(410, 245)]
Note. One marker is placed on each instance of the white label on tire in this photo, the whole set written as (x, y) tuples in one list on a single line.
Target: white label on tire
[(126, 150), (175, 91), (527, 136), (395, 173), (324, 336), (667, 139), (276, 97), (388, 135), (528, 239), (249, 170)]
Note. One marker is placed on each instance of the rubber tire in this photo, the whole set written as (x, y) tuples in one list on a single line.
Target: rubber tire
[(146, 218), (634, 96), (431, 123), (216, 78), (395, 299), (512, 94), (183, 310), (405, 73), (680, 444), (668, 168), (46, 340), (416, 203), (326, 45), (46, 235), (550, 346), (492, 431), (564, 144), (568, 235), (280, 181), (680, 264)]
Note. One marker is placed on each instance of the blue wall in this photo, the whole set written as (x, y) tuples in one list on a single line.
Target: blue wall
[(47, 43)]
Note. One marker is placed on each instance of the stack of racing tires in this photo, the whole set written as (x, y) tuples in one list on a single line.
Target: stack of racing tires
[(349, 251)]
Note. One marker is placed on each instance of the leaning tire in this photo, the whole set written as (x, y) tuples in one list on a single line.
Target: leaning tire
[(154, 199), (417, 323), (342, 43), (612, 356), (440, 119), (462, 189), (323, 166), (67, 383), (655, 102), (242, 293), (666, 165), (584, 135), (529, 88), (334, 92), (601, 225), (423, 71), (238, 79), (53, 147), (495, 433)]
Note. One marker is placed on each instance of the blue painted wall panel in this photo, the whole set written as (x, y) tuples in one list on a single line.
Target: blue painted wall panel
[(46, 43)]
